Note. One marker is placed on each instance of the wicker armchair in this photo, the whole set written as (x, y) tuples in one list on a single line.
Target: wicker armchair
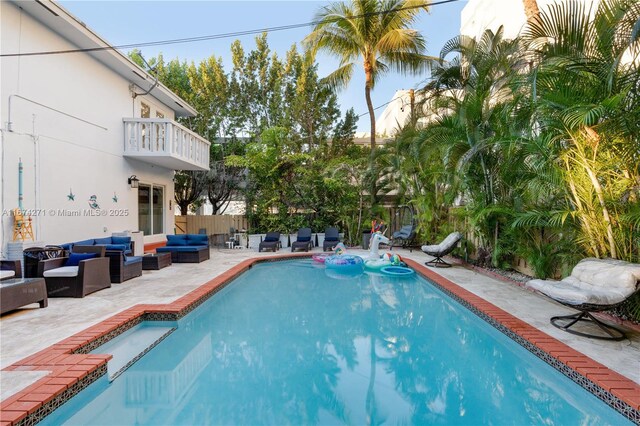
[(76, 281), (10, 269)]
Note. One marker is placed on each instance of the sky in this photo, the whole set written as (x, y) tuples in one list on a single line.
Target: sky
[(130, 22)]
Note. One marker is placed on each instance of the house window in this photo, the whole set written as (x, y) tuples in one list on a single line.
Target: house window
[(159, 114), (151, 209)]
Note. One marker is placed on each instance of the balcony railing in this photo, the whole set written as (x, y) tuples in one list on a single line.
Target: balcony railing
[(165, 143)]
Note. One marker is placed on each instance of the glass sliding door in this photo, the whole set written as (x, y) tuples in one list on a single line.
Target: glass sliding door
[(151, 209), (157, 210), (144, 209)]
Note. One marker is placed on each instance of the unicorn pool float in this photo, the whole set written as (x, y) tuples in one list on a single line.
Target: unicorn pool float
[(389, 264), (375, 261)]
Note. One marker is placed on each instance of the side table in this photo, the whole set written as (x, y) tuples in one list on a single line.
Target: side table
[(156, 261)]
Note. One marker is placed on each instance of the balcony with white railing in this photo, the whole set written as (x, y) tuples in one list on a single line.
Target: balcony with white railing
[(165, 143)]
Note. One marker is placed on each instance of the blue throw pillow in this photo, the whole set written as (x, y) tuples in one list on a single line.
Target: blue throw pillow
[(120, 240), (75, 258), (176, 240), (271, 239), (103, 241), (304, 239), (120, 247)]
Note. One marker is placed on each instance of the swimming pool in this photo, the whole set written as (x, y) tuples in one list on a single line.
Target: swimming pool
[(286, 344)]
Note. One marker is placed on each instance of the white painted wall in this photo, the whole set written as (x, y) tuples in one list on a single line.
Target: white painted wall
[(61, 153)]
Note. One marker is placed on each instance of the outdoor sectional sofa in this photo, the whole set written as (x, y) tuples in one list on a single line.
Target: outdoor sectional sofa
[(186, 248), (122, 264)]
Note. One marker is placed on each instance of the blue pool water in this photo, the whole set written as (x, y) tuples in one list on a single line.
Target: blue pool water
[(287, 344)]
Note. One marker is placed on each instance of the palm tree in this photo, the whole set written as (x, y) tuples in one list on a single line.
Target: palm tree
[(587, 98), (531, 10), (377, 32)]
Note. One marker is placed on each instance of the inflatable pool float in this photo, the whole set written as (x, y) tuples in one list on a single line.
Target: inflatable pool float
[(397, 271), (376, 264), (320, 257), (344, 263)]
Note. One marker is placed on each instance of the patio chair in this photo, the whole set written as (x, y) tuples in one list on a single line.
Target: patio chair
[(331, 239), (442, 249), (594, 285), (303, 240), (10, 269), (270, 242), (85, 271), (404, 236)]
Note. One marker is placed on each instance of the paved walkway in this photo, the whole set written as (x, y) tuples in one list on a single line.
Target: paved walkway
[(30, 330)]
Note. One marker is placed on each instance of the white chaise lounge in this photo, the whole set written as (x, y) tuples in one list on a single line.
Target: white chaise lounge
[(594, 285)]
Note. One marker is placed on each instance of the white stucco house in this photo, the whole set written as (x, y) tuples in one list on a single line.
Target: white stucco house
[(82, 124), (480, 15)]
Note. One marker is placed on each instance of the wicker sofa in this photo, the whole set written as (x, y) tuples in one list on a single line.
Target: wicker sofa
[(122, 264), (186, 248), (67, 280)]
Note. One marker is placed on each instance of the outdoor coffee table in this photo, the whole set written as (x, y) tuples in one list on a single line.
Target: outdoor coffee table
[(18, 292), (156, 261)]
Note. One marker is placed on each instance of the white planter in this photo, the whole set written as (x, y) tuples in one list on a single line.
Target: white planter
[(255, 239), (320, 239), (284, 241)]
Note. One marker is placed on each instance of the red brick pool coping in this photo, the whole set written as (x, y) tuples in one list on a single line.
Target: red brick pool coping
[(70, 371)]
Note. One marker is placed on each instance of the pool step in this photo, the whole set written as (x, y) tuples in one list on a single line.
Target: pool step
[(131, 346)]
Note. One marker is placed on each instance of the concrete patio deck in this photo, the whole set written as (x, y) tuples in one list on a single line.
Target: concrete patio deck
[(29, 330)]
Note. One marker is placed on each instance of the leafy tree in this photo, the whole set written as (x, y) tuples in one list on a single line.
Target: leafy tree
[(188, 188)]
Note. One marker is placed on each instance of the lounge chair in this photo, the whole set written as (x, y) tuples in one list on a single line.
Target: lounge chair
[(303, 241), (10, 269), (442, 249), (404, 236), (331, 239), (271, 242), (85, 270), (594, 285)]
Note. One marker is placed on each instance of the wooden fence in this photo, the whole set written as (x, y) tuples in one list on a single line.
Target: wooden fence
[(212, 224)]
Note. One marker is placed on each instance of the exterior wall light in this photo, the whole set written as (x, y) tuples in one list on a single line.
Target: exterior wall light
[(133, 181)]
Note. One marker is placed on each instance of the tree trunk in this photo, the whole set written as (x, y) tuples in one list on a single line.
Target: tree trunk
[(367, 94), (184, 207), (531, 10)]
